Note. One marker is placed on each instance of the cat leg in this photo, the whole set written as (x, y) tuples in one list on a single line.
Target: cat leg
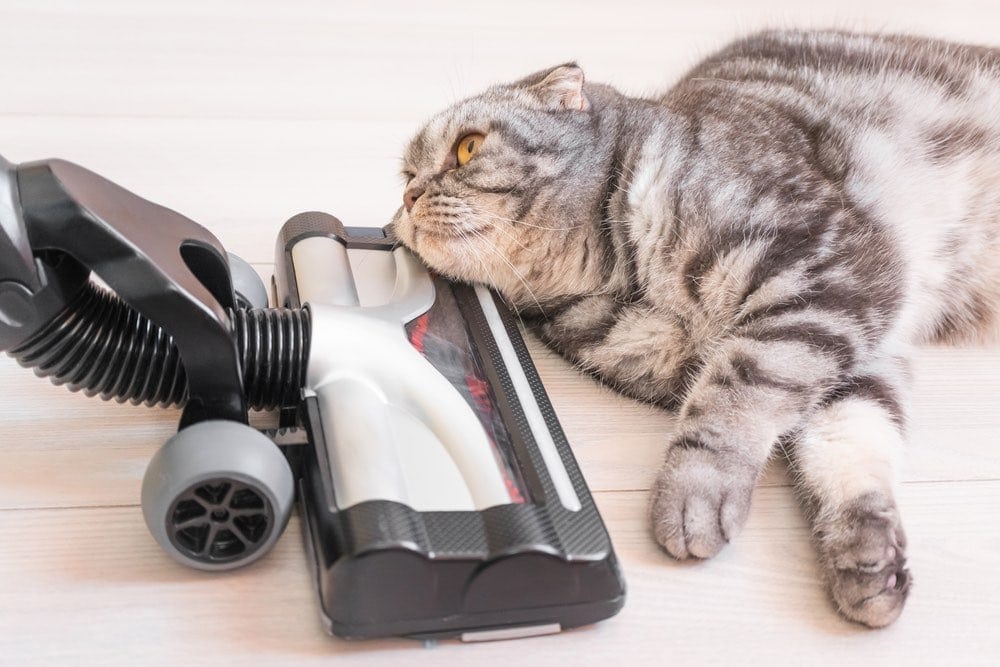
[(844, 464), (750, 391)]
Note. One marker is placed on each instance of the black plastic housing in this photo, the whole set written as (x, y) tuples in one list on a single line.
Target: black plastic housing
[(385, 569), (162, 265), (33, 290)]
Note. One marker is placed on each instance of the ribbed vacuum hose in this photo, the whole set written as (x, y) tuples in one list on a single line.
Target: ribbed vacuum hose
[(274, 348), (100, 345)]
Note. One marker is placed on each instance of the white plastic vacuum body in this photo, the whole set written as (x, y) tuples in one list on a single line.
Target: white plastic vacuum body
[(440, 496), (396, 428)]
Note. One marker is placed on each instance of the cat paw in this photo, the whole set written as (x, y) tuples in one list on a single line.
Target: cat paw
[(698, 502), (863, 550)]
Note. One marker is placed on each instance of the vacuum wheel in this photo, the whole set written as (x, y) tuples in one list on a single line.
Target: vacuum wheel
[(217, 495), (249, 288)]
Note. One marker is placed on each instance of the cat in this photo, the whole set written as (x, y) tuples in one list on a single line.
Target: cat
[(759, 249)]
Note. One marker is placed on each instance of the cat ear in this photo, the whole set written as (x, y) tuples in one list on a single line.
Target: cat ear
[(562, 89)]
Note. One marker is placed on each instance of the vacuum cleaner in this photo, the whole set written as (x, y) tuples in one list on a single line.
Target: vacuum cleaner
[(438, 494)]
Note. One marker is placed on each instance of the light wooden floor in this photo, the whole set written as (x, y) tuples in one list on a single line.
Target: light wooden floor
[(242, 114)]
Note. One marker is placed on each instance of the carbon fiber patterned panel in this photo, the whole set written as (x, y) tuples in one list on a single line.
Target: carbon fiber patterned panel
[(380, 525), (462, 532), (309, 223), (581, 533)]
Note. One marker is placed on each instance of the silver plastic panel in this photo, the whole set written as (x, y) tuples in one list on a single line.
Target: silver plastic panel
[(536, 421), (511, 633), (323, 273), (395, 428), (374, 274)]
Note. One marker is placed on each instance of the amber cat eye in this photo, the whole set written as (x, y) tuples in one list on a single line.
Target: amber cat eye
[(467, 147)]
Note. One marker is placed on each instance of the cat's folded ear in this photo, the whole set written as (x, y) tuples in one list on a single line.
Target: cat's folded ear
[(559, 89)]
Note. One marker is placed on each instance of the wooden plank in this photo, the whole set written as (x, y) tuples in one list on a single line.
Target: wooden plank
[(64, 450), (355, 61), (90, 586)]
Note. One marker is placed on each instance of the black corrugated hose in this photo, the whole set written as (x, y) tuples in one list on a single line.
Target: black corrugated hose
[(102, 346)]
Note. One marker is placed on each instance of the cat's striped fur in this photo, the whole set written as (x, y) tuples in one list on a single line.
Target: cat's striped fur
[(758, 248)]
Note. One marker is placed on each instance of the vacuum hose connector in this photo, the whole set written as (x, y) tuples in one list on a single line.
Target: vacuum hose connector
[(101, 346)]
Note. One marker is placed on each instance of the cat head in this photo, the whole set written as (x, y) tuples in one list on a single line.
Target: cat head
[(500, 185)]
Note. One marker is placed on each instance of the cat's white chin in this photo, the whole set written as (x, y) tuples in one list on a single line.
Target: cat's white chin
[(438, 251)]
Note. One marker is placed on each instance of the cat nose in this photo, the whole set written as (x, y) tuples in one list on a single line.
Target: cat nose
[(411, 196)]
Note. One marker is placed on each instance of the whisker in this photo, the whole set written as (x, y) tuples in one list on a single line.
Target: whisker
[(514, 270), (463, 237), (528, 224), (507, 233)]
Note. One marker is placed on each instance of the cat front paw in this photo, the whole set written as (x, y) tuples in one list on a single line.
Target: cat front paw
[(699, 501), (863, 551)]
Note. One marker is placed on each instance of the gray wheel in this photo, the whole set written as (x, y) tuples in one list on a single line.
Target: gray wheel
[(217, 495), (249, 288)]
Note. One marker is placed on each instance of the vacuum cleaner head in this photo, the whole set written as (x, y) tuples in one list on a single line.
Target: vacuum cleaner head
[(440, 496)]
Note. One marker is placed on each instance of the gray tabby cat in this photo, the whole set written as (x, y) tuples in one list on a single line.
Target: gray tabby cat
[(758, 248)]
